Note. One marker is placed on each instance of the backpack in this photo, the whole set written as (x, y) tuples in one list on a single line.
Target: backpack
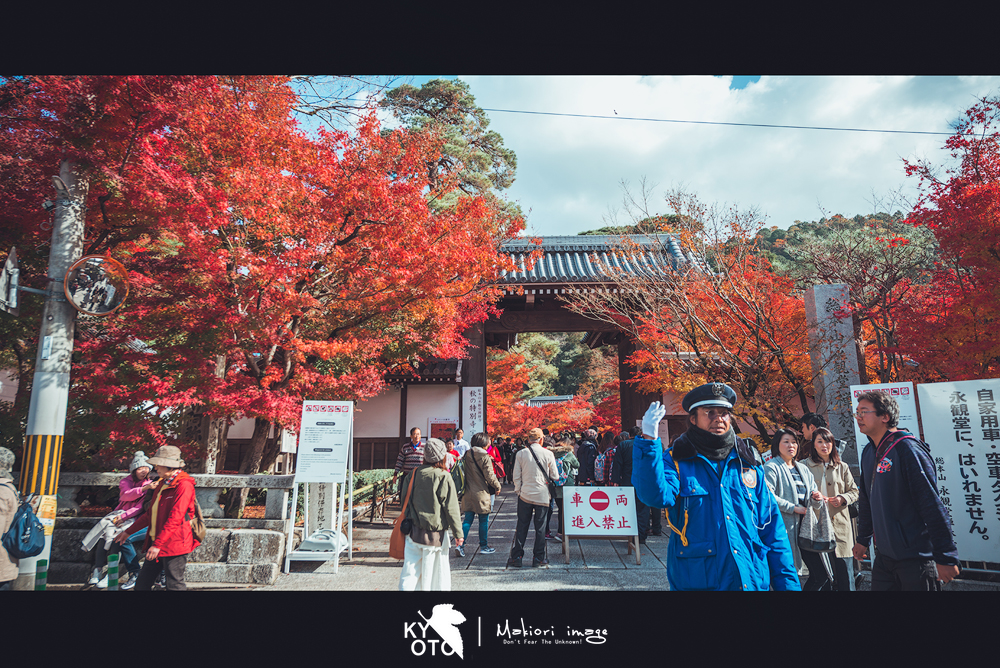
[(563, 473), (602, 466), (458, 476), (26, 535)]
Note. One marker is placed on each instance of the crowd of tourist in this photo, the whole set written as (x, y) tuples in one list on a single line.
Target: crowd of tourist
[(798, 522), (809, 520)]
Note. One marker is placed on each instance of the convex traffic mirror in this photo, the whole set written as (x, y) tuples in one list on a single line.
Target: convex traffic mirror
[(96, 285)]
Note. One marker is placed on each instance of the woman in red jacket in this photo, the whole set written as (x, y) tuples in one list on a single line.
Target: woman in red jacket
[(167, 509)]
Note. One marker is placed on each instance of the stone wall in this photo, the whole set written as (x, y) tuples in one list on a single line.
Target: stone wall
[(234, 551)]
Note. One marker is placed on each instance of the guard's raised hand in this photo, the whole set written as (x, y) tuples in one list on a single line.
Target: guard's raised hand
[(651, 420)]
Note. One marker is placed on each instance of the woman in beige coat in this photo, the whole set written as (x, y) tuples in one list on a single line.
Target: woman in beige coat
[(480, 483), (835, 482)]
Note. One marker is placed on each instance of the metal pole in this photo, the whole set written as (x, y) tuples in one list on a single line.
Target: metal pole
[(50, 388)]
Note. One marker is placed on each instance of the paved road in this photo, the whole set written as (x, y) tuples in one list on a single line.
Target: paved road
[(595, 565)]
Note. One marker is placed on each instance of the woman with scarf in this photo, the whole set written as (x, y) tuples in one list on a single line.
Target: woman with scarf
[(793, 486), (131, 490), (167, 510), (729, 535)]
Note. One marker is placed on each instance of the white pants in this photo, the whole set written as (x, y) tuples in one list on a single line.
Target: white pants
[(426, 568)]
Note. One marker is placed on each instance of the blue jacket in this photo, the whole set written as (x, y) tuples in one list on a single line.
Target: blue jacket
[(901, 506), (736, 539)]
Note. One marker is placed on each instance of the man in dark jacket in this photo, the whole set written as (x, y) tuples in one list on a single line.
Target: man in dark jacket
[(899, 504), (621, 474), (587, 454)]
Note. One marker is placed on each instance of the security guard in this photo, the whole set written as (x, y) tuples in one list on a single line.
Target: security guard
[(729, 533)]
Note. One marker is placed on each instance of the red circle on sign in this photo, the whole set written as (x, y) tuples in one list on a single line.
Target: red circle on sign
[(599, 500)]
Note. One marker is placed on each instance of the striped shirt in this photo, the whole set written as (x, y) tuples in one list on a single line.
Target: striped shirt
[(800, 486), (409, 458)]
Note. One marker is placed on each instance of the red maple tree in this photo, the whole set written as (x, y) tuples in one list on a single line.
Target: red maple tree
[(268, 265), (951, 329)]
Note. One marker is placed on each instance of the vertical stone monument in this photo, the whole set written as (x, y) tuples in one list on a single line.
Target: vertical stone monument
[(834, 360)]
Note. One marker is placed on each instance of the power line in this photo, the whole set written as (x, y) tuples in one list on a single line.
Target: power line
[(745, 125)]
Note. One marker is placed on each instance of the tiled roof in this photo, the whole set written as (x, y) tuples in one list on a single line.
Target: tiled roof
[(571, 259)]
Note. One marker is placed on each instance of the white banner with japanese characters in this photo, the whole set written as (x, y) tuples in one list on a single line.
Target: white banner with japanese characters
[(473, 411), (599, 511), (961, 426)]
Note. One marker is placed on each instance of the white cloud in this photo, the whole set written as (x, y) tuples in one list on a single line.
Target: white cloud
[(569, 168)]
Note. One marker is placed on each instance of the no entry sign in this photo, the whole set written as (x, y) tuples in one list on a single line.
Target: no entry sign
[(599, 500), (599, 511)]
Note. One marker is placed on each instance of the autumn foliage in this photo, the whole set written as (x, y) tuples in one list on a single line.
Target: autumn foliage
[(951, 326), (268, 264)]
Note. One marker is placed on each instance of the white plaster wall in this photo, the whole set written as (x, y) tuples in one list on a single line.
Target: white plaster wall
[(431, 401), (378, 417)]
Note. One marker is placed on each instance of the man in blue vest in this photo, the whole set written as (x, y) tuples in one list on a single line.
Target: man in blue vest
[(728, 532)]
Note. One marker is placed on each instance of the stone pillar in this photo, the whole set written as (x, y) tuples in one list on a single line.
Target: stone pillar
[(834, 360)]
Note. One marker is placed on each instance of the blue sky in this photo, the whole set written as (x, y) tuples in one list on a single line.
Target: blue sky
[(569, 169)]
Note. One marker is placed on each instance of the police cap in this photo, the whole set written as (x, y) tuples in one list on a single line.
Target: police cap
[(709, 394)]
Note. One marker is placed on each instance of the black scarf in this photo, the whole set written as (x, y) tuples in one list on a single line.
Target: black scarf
[(715, 448)]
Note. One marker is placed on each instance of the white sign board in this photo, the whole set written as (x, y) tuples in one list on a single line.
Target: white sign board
[(473, 410), (961, 427), (289, 439), (324, 441), (903, 394), (599, 511)]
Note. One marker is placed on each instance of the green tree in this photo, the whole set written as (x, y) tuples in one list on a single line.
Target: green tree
[(880, 256), (470, 151)]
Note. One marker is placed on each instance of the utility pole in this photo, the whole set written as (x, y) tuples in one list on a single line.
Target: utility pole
[(50, 389)]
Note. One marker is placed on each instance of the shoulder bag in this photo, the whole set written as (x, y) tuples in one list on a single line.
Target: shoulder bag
[(402, 526), (816, 531), (551, 485)]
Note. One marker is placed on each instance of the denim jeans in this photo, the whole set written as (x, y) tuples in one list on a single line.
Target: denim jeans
[(129, 555), (484, 526)]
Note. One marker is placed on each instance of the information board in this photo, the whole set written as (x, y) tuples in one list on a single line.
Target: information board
[(600, 511), (324, 441), (962, 429), (903, 394)]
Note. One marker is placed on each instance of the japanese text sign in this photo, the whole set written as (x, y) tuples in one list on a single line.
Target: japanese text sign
[(906, 399), (961, 427), (599, 511), (324, 441)]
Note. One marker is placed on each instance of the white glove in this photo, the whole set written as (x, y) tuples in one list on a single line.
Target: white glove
[(651, 420)]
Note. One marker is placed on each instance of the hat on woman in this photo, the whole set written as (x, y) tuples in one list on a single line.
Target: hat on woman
[(169, 456), (6, 463), (139, 461), (434, 451)]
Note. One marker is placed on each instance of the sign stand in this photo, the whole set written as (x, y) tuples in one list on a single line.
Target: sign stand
[(324, 457)]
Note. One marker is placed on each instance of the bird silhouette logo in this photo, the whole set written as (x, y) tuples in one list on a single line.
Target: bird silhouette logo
[(445, 620)]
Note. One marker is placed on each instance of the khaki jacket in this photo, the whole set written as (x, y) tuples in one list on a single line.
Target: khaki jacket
[(839, 482), (433, 503), (478, 485), (530, 484)]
